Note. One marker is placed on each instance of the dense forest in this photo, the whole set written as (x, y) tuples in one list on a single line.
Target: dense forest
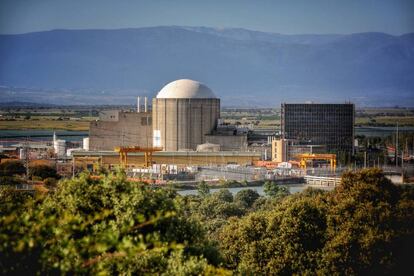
[(111, 226)]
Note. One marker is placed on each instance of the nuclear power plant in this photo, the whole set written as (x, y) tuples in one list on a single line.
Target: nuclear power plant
[(182, 128), (185, 114), (180, 134)]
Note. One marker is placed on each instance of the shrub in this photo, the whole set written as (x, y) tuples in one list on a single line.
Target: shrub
[(42, 172), (8, 180), (10, 168), (50, 182)]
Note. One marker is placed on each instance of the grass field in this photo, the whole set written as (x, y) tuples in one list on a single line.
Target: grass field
[(78, 119), (386, 120), (81, 125)]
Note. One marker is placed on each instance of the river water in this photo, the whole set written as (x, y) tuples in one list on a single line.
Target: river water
[(293, 188), (46, 134), (40, 135)]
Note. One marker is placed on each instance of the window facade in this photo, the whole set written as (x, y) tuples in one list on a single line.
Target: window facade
[(320, 124)]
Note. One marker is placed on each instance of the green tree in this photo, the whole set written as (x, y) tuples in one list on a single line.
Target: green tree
[(285, 241), (370, 226), (11, 168), (9, 180), (42, 172), (50, 182), (224, 195), (19, 255), (203, 189), (246, 197), (272, 189)]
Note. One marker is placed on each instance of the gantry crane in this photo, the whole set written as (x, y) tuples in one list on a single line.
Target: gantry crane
[(148, 151), (308, 156)]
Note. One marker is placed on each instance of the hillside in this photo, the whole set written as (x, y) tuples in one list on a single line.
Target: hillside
[(243, 67)]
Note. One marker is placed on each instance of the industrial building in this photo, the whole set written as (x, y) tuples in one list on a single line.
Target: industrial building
[(182, 128), (118, 128), (330, 125), (183, 112)]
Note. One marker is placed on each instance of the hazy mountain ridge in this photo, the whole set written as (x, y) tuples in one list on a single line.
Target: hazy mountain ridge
[(242, 66)]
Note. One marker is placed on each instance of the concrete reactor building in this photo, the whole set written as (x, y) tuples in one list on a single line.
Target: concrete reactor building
[(183, 113)]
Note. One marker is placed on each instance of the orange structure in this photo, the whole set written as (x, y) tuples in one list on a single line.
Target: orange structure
[(148, 151), (304, 158), (266, 164)]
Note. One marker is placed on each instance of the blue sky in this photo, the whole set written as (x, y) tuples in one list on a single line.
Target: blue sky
[(288, 17)]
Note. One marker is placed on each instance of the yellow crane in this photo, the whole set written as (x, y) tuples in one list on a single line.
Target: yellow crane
[(148, 151), (305, 157)]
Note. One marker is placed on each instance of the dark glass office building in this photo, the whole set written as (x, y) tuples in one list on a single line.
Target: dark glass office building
[(320, 124)]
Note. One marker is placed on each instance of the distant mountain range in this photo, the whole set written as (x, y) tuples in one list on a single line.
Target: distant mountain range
[(243, 67)]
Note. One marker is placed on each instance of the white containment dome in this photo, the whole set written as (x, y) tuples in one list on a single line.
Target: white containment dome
[(185, 89), (183, 112)]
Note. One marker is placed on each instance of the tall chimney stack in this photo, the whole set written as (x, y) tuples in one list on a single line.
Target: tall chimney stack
[(138, 105)]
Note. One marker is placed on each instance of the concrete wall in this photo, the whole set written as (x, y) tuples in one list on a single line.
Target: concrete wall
[(130, 129), (183, 123), (228, 142)]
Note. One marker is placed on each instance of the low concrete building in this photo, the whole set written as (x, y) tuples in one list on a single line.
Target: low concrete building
[(118, 128), (228, 142), (228, 137)]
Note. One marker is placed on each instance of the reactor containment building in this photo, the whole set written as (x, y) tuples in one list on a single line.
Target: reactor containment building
[(183, 112)]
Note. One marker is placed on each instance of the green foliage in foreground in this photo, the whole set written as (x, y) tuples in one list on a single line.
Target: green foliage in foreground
[(364, 227), (111, 226), (107, 226)]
